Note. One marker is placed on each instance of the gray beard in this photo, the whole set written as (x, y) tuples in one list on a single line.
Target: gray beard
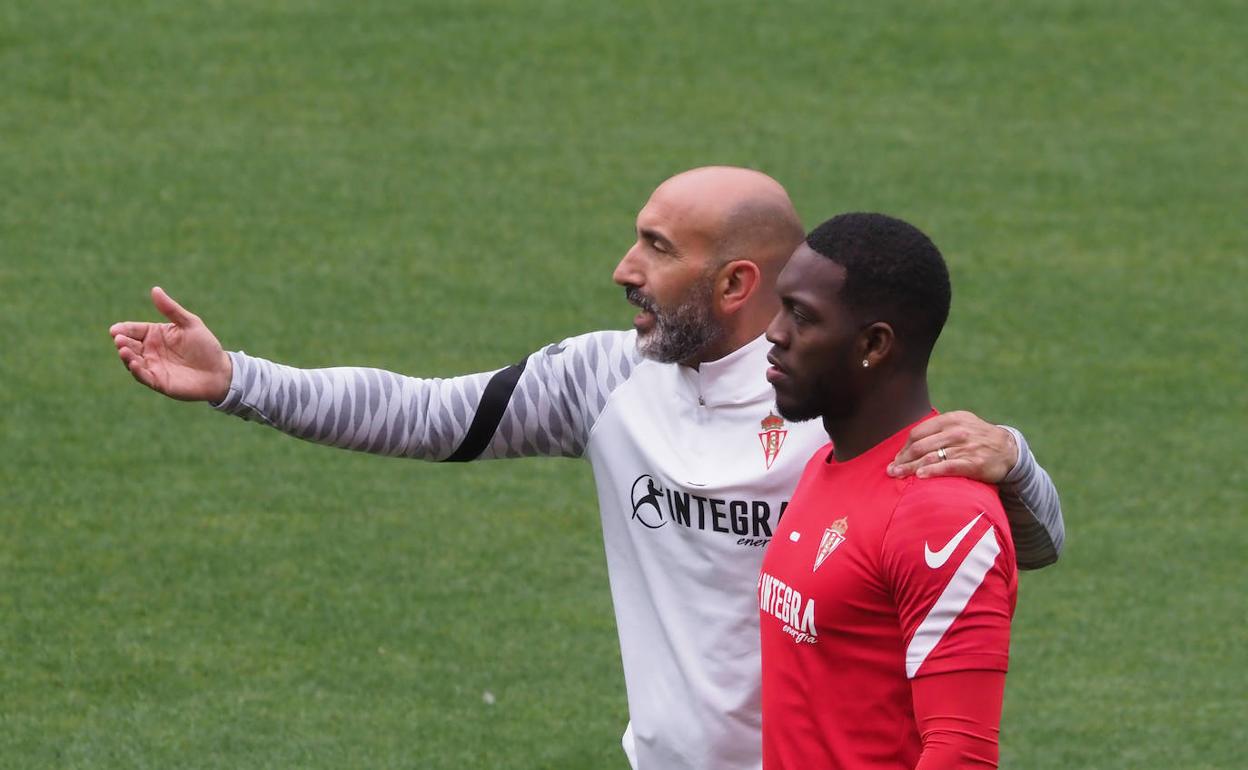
[(681, 333)]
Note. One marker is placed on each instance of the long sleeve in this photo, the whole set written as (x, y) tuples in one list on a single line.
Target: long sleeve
[(955, 608), (959, 718), (545, 405), (1034, 510)]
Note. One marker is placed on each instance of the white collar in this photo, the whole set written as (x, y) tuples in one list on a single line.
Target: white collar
[(737, 378)]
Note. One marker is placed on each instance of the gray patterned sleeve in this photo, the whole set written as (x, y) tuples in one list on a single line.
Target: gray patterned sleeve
[(1034, 510), (544, 405)]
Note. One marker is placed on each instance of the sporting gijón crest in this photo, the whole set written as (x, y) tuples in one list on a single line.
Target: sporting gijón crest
[(772, 436), (832, 537)]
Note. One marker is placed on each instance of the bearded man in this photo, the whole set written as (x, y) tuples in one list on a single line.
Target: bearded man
[(693, 467)]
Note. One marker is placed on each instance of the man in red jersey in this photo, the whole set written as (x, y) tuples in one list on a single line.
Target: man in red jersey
[(885, 603)]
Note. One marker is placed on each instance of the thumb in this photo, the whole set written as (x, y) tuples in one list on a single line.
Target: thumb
[(170, 309)]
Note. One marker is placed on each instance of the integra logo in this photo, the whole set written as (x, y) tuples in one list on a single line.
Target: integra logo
[(654, 507)]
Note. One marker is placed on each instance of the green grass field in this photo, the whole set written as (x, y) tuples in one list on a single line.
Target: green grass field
[(445, 187)]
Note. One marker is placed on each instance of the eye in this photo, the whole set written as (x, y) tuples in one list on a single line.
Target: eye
[(799, 318)]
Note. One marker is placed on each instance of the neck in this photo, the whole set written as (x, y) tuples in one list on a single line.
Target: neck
[(888, 408), (739, 330), (723, 346)]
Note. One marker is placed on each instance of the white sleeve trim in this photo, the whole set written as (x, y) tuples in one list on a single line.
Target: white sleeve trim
[(962, 586)]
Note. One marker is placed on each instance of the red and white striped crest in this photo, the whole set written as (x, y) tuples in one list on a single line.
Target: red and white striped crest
[(772, 437)]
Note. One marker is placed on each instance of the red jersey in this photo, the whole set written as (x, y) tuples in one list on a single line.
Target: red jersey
[(869, 582)]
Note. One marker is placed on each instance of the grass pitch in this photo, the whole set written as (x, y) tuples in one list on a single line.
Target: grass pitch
[(444, 187)]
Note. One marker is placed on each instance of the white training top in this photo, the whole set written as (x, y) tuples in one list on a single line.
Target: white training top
[(693, 470)]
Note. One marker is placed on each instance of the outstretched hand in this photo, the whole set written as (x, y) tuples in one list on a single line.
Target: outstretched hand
[(181, 359), (971, 448)]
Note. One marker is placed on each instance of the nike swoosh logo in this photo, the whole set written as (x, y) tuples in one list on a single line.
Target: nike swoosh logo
[(937, 559)]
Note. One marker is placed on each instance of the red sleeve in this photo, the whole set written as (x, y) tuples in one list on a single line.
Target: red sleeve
[(950, 567), (959, 717)]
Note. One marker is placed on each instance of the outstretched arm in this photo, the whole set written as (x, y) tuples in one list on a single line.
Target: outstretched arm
[(961, 444), (543, 405)]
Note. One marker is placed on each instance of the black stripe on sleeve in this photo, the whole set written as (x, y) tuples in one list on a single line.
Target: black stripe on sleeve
[(494, 400)]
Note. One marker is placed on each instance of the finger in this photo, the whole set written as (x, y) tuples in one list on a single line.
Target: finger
[(934, 425), (950, 467), (901, 470), (123, 342), (128, 355), (129, 358), (911, 467), (138, 367), (170, 309), (133, 329), (914, 450)]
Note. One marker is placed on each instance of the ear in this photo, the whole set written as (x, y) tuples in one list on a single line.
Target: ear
[(737, 282), (877, 343)]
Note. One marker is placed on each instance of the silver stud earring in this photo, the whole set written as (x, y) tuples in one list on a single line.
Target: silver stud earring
[(865, 363)]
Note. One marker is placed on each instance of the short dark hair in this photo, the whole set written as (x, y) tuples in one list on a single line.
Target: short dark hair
[(893, 273)]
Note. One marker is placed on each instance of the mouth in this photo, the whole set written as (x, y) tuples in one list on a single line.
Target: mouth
[(776, 372), (644, 321), (646, 318)]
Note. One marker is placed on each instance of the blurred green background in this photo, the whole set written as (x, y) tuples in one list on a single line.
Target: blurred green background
[(442, 187)]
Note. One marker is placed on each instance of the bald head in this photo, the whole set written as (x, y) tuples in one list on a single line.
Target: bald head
[(710, 244), (743, 214)]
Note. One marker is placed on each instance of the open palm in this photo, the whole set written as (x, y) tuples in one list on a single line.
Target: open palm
[(181, 359)]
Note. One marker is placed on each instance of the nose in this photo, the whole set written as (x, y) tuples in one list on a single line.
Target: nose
[(628, 272), (777, 332)]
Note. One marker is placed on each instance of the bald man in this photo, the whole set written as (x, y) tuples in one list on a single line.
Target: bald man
[(693, 466)]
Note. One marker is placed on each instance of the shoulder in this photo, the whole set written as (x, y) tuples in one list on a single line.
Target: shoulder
[(949, 511), (601, 355), (605, 338), (595, 349), (581, 374), (939, 507), (948, 494)]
